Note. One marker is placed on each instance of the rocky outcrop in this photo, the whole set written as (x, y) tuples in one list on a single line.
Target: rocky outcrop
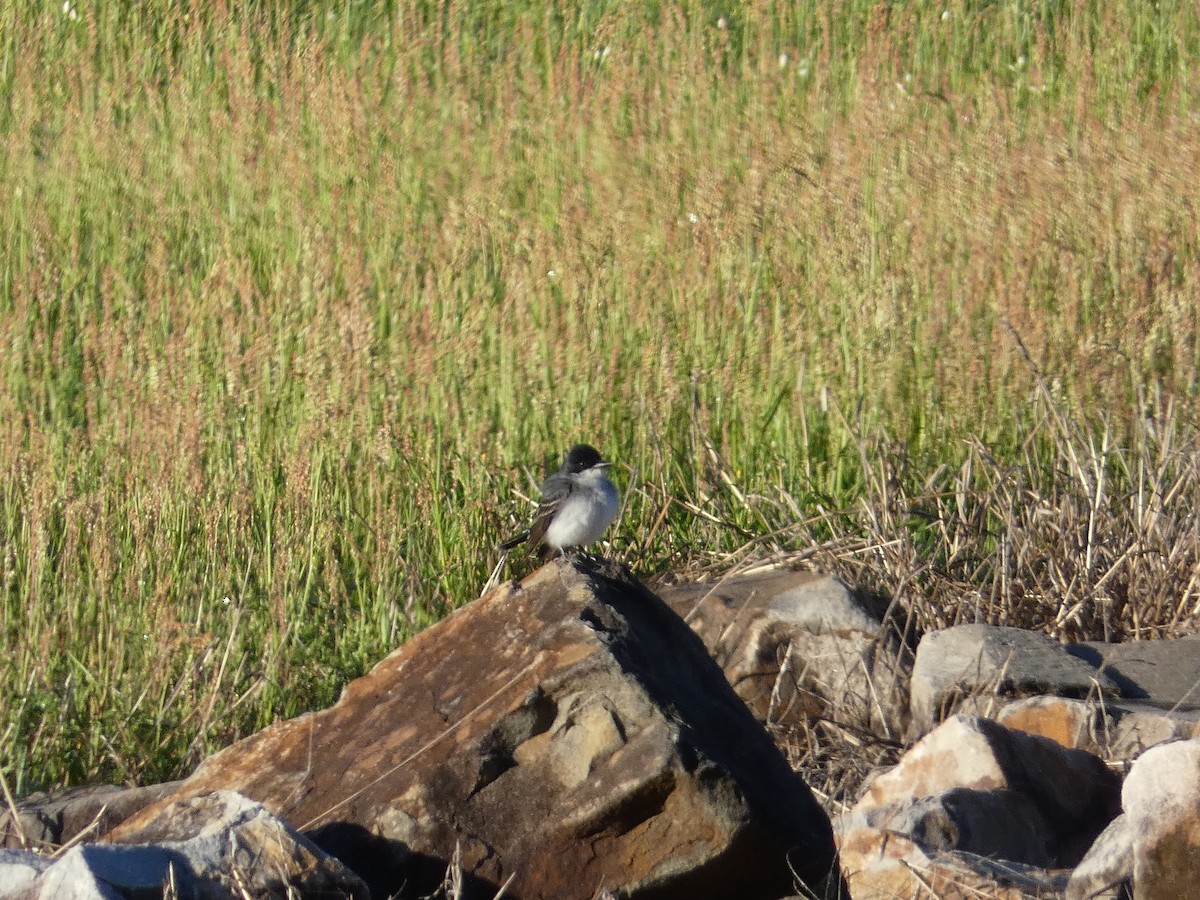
[(571, 737), (564, 736)]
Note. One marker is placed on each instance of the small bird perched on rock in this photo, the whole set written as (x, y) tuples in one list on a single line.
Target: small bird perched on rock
[(578, 504)]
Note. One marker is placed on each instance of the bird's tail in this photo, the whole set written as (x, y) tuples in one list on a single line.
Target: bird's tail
[(514, 541)]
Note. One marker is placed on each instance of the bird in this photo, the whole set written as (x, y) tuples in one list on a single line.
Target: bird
[(578, 503)]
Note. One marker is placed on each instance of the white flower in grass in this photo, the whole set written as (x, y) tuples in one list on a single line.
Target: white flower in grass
[(945, 15), (69, 10), (552, 274), (693, 218), (783, 60)]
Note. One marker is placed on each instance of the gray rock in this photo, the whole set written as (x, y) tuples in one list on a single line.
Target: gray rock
[(796, 645), (1165, 674), (1106, 872), (1152, 851), (19, 868), (216, 847), (982, 662), (1001, 824), (825, 605), (51, 820), (97, 872)]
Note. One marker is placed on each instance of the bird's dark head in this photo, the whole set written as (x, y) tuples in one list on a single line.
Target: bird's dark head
[(582, 457)]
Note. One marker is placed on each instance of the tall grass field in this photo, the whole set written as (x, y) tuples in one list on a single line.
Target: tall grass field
[(300, 300)]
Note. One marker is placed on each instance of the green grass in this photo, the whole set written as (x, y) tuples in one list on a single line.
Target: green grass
[(296, 297)]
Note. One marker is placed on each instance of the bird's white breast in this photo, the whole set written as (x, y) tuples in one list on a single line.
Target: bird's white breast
[(585, 514)]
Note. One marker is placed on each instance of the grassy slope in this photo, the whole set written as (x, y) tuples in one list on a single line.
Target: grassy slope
[(294, 298)]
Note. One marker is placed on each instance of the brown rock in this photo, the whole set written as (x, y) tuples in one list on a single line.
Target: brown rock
[(798, 644), (975, 810), (999, 824), (1113, 729), (570, 733), (1069, 723)]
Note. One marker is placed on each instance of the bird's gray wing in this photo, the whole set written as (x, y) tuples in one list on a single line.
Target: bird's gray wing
[(554, 490)]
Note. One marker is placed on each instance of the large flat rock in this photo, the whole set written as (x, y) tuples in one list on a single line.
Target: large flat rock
[(970, 666), (1165, 674)]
